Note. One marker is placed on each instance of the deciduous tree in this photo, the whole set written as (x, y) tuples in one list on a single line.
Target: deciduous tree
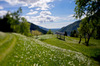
[(49, 32), (91, 9)]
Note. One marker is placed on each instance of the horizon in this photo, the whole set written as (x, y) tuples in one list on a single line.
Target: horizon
[(55, 28), (51, 14)]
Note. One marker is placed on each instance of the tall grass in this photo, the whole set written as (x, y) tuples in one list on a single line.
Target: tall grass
[(33, 52)]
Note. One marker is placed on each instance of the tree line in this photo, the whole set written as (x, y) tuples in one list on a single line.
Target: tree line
[(13, 22)]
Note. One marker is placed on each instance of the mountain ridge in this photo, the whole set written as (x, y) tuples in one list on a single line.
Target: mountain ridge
[(36, 27), (70, 27)]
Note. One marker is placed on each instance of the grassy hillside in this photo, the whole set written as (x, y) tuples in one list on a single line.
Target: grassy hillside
[(70, 27), (71, 43), (16, 49), (35, 27)]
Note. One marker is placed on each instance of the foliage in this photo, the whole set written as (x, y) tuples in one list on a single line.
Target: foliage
[(36, 32), (70, 27), (24, 27), (91, 9), (87, 7), (89, 27), (12, 22), (97, 36), (4, 24), (49, 32), (74, 33), (65, 33)]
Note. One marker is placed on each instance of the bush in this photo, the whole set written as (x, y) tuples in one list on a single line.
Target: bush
[(36, 33), (74, 33), (49, 32)]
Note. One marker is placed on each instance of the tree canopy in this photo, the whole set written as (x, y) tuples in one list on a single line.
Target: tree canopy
[(49, 32), (13, 22), (65, 33), (74, 33), (89, 25), (86, 7)]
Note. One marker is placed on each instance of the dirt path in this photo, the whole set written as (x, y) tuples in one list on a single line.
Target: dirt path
[(3, 55), (3, 41)]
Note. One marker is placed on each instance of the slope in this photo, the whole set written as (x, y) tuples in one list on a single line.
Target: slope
[(33, 52), (35, 27), (70, 27)]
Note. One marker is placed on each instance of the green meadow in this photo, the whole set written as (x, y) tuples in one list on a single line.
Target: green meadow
[(46, 50)]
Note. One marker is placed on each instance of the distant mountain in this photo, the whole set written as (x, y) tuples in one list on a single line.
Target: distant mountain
[(53, 30), (70, 27), (43, 28), (35, 27)]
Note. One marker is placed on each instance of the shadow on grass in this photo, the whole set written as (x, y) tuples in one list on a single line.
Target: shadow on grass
[(61, 39), (90, 44), (97, 58), (42, 39)]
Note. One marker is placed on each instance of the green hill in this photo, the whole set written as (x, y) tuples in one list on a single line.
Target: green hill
[(35, 27), (70, 27), (17, 49)]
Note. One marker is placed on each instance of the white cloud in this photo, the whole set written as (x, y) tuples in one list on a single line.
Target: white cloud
[(55, 25), (71, 18), (1, 7), (32, 12), (2, 13), (83, 16), (25, 4), (42, 4), (44, 16), (45, 13), (39, 5), (68, 18), (38, 8), (41, 18), (12, 2)]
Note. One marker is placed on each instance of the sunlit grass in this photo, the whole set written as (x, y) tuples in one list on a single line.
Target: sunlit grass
[(71, 43), (33, 52)]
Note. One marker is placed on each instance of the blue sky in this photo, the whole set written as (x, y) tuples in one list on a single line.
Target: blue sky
[(45, 13)]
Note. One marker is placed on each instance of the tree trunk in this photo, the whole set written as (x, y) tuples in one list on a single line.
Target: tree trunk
[(64, 37), (88, 37), (87, 43), (85, 38), (60, 36), (80, 39)]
